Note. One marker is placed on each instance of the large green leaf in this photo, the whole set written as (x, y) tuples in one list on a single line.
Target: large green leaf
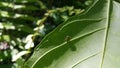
[(88, 40)]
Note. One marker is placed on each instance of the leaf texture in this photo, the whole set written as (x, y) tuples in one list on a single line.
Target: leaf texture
[(87, 40)]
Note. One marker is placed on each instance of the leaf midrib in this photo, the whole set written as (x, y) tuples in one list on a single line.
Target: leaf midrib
[(106, 33)]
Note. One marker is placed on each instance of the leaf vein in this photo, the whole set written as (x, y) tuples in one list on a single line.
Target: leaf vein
[(66, 43)]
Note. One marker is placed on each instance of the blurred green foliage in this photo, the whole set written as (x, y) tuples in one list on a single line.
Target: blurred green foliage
[(23, 23)]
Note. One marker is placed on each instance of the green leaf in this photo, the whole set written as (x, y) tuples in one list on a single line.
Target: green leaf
[(87, 40)]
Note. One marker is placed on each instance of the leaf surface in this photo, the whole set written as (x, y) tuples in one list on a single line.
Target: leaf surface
[(87, 40)]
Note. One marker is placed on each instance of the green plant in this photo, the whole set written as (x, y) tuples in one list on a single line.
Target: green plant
[(87, 40), (23, 23)]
